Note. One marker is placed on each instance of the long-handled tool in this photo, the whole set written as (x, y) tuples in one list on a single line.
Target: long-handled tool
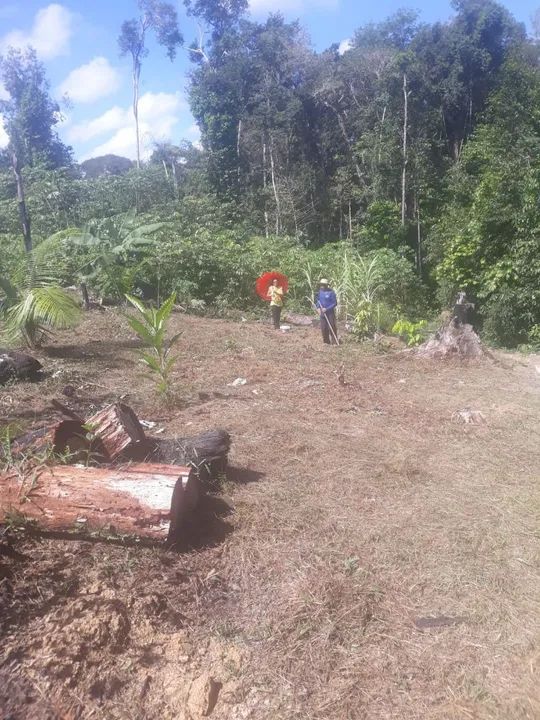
[(325, 317)]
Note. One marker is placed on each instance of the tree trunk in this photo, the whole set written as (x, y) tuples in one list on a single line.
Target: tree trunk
[(175, 178), (85, 297), (343, 129), (147, 501), (136, 76), (21, 202), (404, 166), (381, 133), (419, 262), (265, 182), (274, 187), (238, 140)]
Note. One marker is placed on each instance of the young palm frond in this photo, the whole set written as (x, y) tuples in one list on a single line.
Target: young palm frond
[(38, 311)]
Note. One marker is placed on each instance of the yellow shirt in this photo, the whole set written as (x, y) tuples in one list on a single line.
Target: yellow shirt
[(276, 295)]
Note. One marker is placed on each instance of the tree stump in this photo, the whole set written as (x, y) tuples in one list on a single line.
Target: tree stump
[(452, 340), (118, 429), (147, 501)]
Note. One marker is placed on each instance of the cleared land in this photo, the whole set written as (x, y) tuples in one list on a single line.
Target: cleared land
[(370, 556)]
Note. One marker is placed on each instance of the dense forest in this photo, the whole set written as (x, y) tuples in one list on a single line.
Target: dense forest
[(405, 165)]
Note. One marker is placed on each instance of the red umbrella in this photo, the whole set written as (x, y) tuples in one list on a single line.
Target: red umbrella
[(264, 282)]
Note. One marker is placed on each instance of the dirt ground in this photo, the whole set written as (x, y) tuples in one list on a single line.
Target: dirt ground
[(370, 556)]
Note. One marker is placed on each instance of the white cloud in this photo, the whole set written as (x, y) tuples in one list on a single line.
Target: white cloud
[(260, 6), (92, 81), (345, 46), (192, 133), (158, 116), (50, 33), (110, 120), (4, 140), (4, 95)]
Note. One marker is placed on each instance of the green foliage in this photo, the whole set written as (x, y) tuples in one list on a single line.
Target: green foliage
[(381, 228), (302, 169), (151, 329), (32, 313), (487, 241), (29, 113), (534, 337), (411, 332), (113, 249)]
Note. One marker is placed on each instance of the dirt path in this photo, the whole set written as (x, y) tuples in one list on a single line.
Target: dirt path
[(373, 558)]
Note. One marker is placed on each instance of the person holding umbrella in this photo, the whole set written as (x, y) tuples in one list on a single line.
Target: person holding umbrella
[(275, 293), (272, 286), (326, 304)]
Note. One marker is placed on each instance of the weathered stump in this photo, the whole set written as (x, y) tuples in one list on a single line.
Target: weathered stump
[(118, 429), (147, 501), (452, 340)]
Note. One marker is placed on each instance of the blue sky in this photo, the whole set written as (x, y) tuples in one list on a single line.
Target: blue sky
[(77, 41)]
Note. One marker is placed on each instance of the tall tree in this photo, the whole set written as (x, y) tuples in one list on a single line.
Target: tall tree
[(30, 116), (162, 19), (218, 14)]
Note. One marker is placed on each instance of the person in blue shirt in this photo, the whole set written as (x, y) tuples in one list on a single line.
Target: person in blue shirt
[(326, 304)]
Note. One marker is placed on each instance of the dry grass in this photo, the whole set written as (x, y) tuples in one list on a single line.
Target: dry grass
[(359, 509)]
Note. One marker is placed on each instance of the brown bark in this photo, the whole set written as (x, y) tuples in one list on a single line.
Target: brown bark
[(118, 429), (146, 501), (67, 437)]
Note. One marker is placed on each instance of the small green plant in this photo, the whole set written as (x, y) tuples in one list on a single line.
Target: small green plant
[(151, 329), (409, 331), (534, 337)]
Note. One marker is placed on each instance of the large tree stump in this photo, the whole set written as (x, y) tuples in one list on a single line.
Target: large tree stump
[(118, 429), (452, 340), (147, 501)]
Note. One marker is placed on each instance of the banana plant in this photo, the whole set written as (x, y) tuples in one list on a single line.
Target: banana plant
[(112, 248)]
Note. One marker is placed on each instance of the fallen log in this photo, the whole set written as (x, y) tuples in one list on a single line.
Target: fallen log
[(15, 365), (206, 453), (69, 438), (118, 429), (147, 501), (301, 320)]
